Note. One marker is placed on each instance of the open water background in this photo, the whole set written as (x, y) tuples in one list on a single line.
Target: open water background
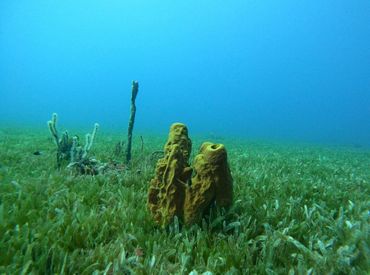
[(280, 70)]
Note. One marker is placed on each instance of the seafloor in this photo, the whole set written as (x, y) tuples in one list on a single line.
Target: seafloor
[(298, 209)]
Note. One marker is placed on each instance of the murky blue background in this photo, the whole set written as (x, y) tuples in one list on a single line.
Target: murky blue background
[(279, 70)]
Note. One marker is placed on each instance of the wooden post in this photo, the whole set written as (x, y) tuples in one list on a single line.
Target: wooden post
[(135, 90)]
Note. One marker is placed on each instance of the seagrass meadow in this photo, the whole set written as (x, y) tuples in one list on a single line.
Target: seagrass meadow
[(297, 209)]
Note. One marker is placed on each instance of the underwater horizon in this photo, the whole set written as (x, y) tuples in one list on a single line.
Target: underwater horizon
[(284, 71)]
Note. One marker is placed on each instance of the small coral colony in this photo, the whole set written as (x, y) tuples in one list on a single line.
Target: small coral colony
[(178, 190)]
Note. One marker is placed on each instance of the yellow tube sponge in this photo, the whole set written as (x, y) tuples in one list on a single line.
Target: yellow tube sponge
[(212, 183), (173, 192), (167, 189)]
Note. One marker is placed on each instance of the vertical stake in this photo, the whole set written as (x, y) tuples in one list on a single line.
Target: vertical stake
[(134, 91)]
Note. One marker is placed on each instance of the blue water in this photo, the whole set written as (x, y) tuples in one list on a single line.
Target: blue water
[(284, 70)]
